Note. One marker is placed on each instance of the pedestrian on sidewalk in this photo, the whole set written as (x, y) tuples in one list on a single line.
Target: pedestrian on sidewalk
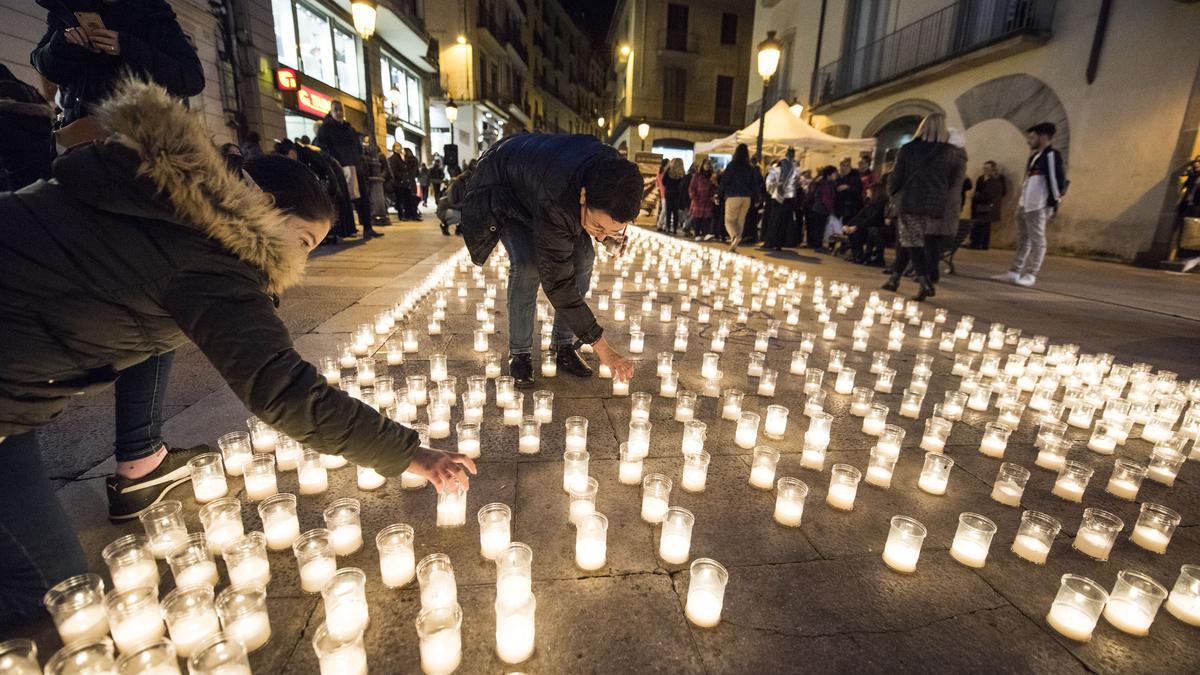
[(343, 142), (738, 186), (702, 194), (423, 182), (674, 193), (990, 189), (661, 222), (925, 184), (545, 197), (821, 197), (122, 257), (437, 174), (1042, 191), (782, 182)]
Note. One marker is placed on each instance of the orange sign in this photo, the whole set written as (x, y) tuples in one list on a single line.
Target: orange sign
[(312, 102), (286, 80)]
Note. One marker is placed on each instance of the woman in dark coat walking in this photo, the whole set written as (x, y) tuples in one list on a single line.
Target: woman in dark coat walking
[(926, 185), (142, 242), (990, 189), (702, 194)]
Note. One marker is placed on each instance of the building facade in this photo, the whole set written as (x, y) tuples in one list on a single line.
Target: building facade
[(511, 66), (1120, 80), (682, 67), (274, 67)]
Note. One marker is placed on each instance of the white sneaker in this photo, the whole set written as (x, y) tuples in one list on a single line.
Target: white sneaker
[(1009, 277), (1190, 265), (1026, 280)]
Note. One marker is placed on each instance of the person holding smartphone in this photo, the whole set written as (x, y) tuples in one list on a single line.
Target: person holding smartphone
[(89, 43)]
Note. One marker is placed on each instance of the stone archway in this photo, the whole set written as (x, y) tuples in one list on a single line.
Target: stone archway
[(918, 107), (1022, 100)]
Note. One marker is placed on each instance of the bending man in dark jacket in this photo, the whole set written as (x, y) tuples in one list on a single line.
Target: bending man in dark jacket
[(546, 197), (139, 35), (141, 242)]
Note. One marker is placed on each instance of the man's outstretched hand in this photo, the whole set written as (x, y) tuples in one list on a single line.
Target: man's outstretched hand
[(621, 367), (446, 470)]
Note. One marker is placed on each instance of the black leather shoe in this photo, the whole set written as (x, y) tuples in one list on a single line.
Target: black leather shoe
[(892, 283), (520, 367), (927, 289), (569, 361)]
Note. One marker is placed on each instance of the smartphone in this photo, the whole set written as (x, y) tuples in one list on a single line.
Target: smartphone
[(89, 21)]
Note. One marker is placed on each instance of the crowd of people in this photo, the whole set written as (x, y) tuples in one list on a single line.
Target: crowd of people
[(914, 204)]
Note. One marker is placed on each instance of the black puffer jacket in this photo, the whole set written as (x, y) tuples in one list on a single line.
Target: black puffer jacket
[(340, 140), (152, 46), (927, 180), (141, 243), (533, 181)]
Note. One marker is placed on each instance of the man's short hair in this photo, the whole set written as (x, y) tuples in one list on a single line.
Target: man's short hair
[(614, 185), (1046, 129)]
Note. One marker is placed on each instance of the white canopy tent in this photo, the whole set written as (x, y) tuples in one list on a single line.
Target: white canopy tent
[(785, 130)]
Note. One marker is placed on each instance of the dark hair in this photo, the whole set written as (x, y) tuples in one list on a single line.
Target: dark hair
[(614, 185), (294, 187), (1046, 129), (741, 156), (285, 146), (253, 137), (662, 166), (306, 140), (829, 170)]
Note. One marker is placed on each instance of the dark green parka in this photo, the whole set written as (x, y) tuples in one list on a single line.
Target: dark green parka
[(143, 242)]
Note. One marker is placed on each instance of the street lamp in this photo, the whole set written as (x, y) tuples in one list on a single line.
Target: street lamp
[(452, 116), (643, 132), (769, 51), (364, 13), (600, 121)]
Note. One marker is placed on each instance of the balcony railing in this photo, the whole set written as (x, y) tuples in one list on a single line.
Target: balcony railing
[(963, 27)]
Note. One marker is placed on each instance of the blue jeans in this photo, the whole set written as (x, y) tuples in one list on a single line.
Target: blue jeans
[(523, 284), (38, 547), (140, 393)]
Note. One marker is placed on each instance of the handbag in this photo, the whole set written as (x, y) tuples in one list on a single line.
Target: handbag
[(1189, 236)]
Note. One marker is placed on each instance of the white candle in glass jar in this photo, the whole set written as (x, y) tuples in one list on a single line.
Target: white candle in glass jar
[(202, 573), (253, 630), (901, 555), (316, 573), (674, 548), (165, 541), (590, 554), (1072, 622), (135, 574), (969, 552), (397, 567), (788, 512), (260, 486), (1068, 489), (1150, 539), (703, 607), (653, 509), (189, 631), (369, 479), (86, 623), (512, 416), (1120, 487), (138, 628), (934, 485), (841, 496), (346, 538), (1031, 549), (209, 488), (254, 570), (1128, 617)]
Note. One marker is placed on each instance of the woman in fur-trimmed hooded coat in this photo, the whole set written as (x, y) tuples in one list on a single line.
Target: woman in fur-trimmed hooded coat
[(142, 242)]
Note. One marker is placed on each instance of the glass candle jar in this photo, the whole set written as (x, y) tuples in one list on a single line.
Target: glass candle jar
[(262, 436), (767, 381), (452, 507), (243, 614), (1035, 536), (1103, 440), (1134, 602), (134, 617), (515, 629), (575, 469), (131, 563), (973, 539), (514, 573), (219, 655), (843, 486), (860, 401), (397, 561), (77, 606), (685, 406), (19, 657), (222, 521), (311, 473), (530, 436), (762, 467), (246, 560), (937, 431), (235, 451), (656, 497), (208, 477), (903, 547), (1155, 525), (706, 592), (491, 365), (776, 422), (639, 408), (280, 522), (889, 441), (910, 403), (639, 437), (435, 575), (790, 494), (370, 479), (192, 563), (315, 559), (1126, 478), (576, 433), (191, 617), (675, 540), (343, 520), (1097, 533), (495, 532), (731, 404), (845, 381), (620, 387), (995, 440), (1009, 485), (582, 498), (1184, 600), (880, 467), (746, 435), (935, 473), (164, 526), (439, 631), (418, 389), (1054, 455), (1165, 462), (1072, 481), (90, 656), (345, 600), (591, 536), (799, 363), (259, 477), (819, 426), (343, 655)]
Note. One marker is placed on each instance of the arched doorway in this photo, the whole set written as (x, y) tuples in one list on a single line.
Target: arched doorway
[(892, 135)]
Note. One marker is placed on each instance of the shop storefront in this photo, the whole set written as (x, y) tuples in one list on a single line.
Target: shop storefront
[(405, 102)]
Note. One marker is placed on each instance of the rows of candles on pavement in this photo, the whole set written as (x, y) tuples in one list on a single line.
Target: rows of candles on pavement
[(1090, 383)]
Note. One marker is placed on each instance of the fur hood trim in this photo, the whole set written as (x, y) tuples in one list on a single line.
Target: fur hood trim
[(178, 157)]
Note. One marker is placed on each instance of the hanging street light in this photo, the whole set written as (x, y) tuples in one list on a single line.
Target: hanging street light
[(643, 132), (769, 51), (364, 13)]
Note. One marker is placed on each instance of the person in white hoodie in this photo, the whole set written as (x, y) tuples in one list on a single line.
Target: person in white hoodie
[(1043, 189)]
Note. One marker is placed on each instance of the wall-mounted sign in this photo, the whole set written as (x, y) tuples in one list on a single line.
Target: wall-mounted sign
[(312, 102), (286, 79)]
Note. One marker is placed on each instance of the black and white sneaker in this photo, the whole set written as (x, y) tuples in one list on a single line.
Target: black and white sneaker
[(128, 497)]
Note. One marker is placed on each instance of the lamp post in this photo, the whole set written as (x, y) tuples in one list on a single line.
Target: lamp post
[(769, 51), (364, 13), (643, 132), (452, 117)]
